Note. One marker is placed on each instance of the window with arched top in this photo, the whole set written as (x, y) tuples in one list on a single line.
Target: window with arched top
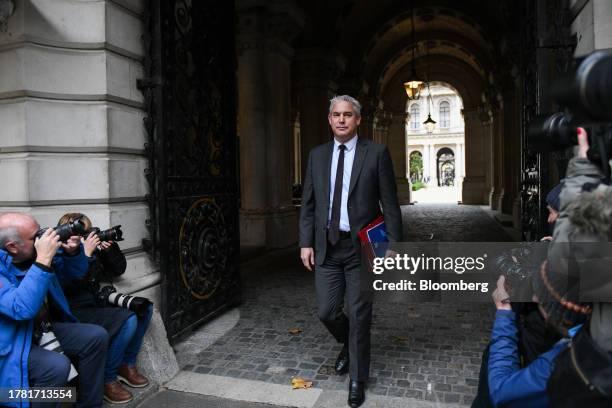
[(415, 121), (444, 114)]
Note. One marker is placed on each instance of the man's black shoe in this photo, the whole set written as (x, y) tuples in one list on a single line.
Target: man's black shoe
[(356, 394), (342, 362)]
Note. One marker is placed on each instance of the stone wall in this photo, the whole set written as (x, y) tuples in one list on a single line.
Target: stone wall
[(72, 136)]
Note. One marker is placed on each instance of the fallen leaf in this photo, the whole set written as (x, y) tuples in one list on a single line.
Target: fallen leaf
[(295, 331), (399, 339), (299, 382)]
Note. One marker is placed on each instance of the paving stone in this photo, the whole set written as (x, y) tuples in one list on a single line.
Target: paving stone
[(451, 397), (442, 387), (443, 342), (396, 392), (203, 370)]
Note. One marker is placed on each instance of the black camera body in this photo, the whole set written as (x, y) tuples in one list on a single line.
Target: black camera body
[(586, 93), (67, 230)]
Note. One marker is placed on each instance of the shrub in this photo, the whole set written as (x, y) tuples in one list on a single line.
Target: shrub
[(417, 185)]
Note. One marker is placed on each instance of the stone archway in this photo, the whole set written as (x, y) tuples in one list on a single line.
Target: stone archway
[(445, 167), (415, 166)]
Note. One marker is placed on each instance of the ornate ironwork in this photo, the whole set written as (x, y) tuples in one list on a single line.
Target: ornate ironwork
[(546, 42), (190, 94), (530, 161)]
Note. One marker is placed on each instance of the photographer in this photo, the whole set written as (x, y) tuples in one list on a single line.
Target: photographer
[(509, 384), (517, 266), (582, 371), (30, 296), (89, 302)]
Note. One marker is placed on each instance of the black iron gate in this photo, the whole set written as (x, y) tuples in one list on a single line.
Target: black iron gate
[(546, 53), (190, 94)]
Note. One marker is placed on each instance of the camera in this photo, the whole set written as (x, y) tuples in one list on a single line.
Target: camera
[(65, 231), (111, 234), (586, 93), (138, 305)]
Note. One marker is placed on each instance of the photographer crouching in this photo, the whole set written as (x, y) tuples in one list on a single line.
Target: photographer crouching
[(93, 299), (33, 307)]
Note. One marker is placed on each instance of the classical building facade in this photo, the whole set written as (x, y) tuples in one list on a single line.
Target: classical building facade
[(441, 151), (190, 123)]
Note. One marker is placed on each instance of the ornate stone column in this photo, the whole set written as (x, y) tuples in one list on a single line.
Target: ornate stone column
[(474, 189), (458, 164), (267, 215), (433, 166), (393, 134), (496, 153), (426, 151)]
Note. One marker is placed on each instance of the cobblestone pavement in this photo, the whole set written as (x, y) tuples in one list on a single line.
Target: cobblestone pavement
[(422, 350)]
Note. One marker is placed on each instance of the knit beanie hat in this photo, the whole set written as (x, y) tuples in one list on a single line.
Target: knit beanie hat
[(558, 294)]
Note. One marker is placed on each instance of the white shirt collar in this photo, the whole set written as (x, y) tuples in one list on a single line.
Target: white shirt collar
[(350, 145)]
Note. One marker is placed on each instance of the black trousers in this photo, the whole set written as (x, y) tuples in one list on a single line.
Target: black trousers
[(342, 307), (87, 343)]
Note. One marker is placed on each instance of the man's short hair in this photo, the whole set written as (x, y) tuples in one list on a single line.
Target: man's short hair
[(345, 98), (8, 234)]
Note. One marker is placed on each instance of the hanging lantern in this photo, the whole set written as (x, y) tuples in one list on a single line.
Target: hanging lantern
[(429, 123)]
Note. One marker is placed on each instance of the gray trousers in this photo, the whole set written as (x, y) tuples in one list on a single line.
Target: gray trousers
[(342, 307)]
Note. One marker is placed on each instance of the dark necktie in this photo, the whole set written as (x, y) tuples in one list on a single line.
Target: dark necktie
[(334, 226)]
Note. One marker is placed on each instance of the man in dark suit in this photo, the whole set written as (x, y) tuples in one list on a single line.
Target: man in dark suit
[(348, 183)]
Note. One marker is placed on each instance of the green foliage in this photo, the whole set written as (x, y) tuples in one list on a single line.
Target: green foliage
[(417, 185), (416, 166)]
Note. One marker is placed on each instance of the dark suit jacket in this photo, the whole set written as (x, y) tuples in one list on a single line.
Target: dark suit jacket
[(372, 189)]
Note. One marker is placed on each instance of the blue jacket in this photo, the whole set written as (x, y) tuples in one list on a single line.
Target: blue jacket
[(21, 296), (509, 384)]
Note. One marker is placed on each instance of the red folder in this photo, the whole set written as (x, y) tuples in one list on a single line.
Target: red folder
[(374, 239)]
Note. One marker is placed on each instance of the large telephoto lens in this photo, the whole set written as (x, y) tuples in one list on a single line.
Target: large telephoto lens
[(587, 89), (551, 133)]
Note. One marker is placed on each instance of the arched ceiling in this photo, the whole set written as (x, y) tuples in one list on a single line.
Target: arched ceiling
[(375, 38), (444, 69)]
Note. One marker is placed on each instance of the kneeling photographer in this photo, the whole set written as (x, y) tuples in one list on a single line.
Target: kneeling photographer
[(93, 299)]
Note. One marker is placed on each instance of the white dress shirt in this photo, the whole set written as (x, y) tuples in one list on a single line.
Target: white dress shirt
[(349, 156)]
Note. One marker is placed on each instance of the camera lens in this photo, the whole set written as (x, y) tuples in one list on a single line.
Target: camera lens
[(550, 133), (587, 89), (111, 234)]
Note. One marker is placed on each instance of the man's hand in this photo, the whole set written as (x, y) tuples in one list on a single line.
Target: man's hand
[(583, 142), (307, 256), (46, 247), (389, 253), (73, 244), (90, 243), (500, 295)]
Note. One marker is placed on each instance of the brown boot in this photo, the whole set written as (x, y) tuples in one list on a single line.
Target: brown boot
[(131, 376), (116, 394)]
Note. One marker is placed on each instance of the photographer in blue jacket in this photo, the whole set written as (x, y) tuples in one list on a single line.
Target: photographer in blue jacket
[(31, 268), (509, 384)]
